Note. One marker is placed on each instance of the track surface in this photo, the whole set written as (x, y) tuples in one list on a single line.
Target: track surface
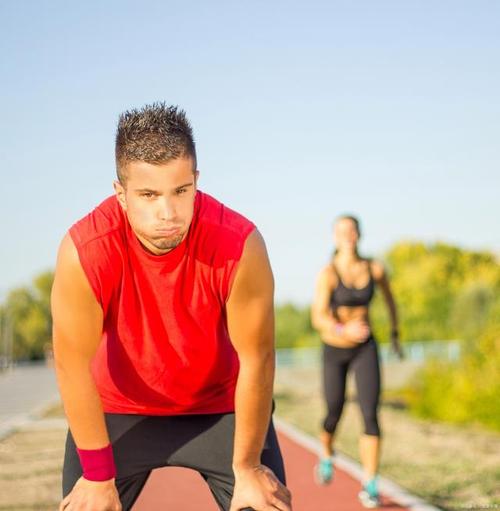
[(179, 489)]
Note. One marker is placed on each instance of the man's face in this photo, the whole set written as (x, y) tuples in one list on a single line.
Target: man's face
[(159, 201)]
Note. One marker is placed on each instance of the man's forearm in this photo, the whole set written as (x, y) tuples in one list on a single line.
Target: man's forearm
[(82, 405), (253, 402)]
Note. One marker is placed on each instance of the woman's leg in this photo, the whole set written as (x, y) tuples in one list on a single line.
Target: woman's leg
[(367, 373), (334, 383), (369, 452)]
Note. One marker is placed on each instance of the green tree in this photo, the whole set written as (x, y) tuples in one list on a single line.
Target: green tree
[(471, 309), (433, 286), (463, 392), (293, 326), (28, 311)]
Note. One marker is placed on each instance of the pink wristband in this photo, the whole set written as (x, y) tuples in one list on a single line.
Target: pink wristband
[(339, 328), (97, 464)]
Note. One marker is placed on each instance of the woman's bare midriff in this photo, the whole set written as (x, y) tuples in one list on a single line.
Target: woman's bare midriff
[(343, 315)]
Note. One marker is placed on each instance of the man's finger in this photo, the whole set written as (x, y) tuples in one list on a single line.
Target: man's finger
[(282, 500), (64, 503), (282, 490), (280, 506), (284, 495)]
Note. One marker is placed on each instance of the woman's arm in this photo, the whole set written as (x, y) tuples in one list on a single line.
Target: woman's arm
[(380, 276), (321, 316)]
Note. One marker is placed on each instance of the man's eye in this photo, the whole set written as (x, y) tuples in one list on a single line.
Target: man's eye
[(181, 191), (148, 195)]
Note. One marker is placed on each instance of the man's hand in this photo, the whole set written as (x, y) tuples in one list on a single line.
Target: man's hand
[(356, 331), (94, 495), (258, 488)]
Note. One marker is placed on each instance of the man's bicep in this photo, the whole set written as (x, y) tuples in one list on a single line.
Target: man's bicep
[(77, 316), (250, 306)]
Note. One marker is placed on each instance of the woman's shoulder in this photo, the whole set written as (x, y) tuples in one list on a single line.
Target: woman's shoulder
[(377, 268), (328, 275)]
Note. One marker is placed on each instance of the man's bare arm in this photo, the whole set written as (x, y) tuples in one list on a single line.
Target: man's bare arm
[(77, 332), (250, 318), (78, 320)]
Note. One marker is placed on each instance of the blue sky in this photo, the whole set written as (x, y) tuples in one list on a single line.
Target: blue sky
[(301, 111)]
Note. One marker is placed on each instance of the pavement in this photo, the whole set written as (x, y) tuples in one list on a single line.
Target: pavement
[(25, 392)]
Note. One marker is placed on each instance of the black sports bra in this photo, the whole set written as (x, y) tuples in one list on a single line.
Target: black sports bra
[(343, 296)]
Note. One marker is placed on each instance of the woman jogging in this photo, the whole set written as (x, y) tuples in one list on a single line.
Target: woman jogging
[(340, 313)]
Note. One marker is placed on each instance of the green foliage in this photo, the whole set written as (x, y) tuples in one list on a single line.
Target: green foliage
[(468, 391), (26, 314), (471, 308), (441, 291), (293, 327)]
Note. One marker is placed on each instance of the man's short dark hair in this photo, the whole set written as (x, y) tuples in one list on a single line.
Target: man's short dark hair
[(156, 133)]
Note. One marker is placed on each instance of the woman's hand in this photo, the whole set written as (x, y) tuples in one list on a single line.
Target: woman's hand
[(356, 331), (396, 346)]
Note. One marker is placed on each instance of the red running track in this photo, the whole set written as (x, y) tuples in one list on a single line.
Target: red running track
[(179, 489)]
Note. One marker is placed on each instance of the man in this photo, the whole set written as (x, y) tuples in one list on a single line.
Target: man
[(163, 333)]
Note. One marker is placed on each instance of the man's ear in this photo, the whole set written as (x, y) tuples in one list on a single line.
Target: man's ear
[(196, 176), (120, 194)]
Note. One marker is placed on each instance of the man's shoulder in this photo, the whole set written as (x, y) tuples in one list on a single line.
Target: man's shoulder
[(221, 231), (103, 222), (216, 214), (98, 240)]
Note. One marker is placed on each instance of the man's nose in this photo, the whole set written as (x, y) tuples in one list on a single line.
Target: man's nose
[(166, 209)]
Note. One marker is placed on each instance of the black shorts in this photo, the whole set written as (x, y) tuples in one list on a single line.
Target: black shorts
[(142, 443)]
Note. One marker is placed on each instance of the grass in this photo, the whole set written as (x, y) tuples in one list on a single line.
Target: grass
[(30, 470), (55, 412)]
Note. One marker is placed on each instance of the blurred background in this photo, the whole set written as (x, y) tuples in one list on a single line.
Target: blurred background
[(301, 112)]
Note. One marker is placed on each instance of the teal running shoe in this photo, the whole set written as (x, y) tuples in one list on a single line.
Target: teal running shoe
[(369, 496), (323, 471)]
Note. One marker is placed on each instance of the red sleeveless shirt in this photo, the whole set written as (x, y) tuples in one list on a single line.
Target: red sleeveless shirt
[(165, 348)]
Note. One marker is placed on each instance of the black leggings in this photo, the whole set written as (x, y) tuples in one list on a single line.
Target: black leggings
[(201, 442), (363, 359)]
